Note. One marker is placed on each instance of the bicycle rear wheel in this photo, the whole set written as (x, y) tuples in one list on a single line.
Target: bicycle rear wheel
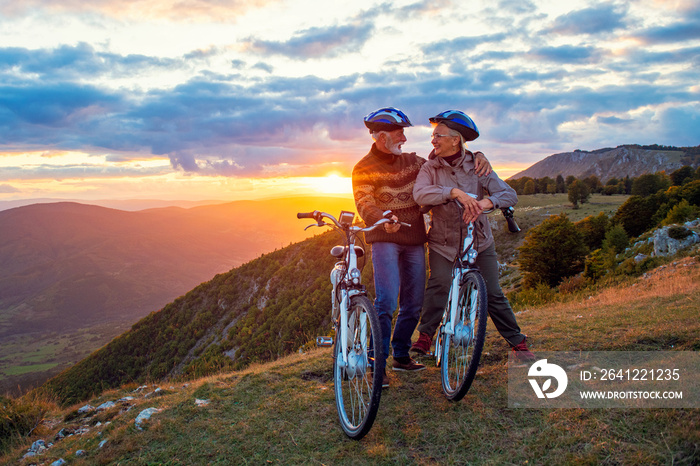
[(461, 352), (358, 387)]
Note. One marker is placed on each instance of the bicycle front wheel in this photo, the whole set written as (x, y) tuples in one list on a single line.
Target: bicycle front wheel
[(358, 387), (461, 351)]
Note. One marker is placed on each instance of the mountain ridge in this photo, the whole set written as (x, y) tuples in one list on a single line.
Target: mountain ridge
[(619, 162)]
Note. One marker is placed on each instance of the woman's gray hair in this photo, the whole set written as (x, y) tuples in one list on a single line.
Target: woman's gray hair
[(455, 133)]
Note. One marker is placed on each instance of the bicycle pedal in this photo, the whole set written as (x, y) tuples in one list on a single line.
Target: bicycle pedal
[(324, 342)]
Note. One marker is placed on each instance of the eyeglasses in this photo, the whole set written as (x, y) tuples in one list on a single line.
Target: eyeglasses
[(436, 135)]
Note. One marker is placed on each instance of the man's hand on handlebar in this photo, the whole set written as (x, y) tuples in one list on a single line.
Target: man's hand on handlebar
[(392, 227)]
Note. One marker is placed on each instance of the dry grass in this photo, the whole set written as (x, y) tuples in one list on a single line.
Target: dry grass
[(284, 412)]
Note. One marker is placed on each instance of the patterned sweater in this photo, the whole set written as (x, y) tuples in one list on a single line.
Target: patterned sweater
[(381, 182)]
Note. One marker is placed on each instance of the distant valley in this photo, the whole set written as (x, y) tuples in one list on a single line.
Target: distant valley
[(73, 276)]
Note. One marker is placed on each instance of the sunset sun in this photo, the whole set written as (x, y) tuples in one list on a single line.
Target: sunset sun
[(330, 184)]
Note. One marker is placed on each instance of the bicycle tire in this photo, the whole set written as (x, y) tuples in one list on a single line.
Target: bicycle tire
[(358, 388), (461, 352)]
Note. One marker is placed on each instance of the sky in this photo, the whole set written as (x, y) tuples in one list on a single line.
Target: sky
[(248, 99)]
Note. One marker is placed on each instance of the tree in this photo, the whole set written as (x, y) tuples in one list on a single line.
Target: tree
[(561, 184), (648, 184), (594, 184), (616, 240), (529, 187), (593, 230), (552, 251), (578, 192), (682, 175), (635, 215)]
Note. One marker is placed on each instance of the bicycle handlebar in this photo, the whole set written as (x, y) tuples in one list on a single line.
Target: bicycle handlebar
[(318, 216)]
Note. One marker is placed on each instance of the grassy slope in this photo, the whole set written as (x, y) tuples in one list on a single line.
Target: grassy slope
[(283, 412)]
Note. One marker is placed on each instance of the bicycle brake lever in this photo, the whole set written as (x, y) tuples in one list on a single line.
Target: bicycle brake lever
[(319, 224)]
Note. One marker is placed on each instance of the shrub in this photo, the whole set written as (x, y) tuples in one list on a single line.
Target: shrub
[(573, 284), (536, 296), (593, 229), (681, 213), (616, 239), (679, 233), (552, 251)]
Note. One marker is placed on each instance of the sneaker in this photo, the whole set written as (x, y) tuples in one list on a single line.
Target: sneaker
[(406, 364), (522, 353), (422, 345)]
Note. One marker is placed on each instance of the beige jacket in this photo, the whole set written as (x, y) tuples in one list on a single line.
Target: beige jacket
[(433, 185)]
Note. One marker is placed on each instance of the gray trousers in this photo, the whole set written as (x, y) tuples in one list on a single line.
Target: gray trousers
[(438, 289)]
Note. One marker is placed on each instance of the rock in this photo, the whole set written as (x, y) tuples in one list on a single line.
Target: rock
[(144, 416), (106, 405), (80, 453), (199, 402), (63, 433), (38, 447), (102, 444), (86, 409), (640, 257), (153, 393), (59, 462)]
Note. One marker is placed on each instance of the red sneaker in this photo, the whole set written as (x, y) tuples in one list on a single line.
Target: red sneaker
[(422, 345), (522, 353)]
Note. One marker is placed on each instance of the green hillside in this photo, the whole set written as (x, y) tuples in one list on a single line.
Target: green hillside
[(283, 412)]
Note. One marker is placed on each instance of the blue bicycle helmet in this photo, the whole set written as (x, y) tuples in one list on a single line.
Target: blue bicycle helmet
[(387, 119), (458, 121)]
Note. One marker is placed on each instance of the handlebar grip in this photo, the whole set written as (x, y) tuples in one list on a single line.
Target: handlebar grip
[(306, 215), (512, 224)]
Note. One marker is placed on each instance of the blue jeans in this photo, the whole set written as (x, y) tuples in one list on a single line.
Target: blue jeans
[(399, 276)]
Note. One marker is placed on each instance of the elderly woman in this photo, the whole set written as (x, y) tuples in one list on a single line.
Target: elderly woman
[(449, 174)]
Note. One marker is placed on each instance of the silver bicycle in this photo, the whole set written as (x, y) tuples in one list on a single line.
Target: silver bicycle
[(358, 339)]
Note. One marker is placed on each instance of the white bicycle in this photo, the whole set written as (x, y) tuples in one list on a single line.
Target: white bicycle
[(462, 331), (358, 339)]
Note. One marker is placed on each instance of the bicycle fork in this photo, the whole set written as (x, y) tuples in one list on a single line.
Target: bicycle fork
[(447, 326)]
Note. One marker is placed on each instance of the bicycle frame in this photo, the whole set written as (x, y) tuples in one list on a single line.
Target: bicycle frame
[(465, 262)]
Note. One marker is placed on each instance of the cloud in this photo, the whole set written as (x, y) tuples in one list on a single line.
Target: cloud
[(681, 31), (566, 54), (604, 18), (81, 62), (682, 124), (316, 42), (8, 189), (139, 10)]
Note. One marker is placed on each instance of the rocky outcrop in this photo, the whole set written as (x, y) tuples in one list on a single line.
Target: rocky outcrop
[(671, 239)]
